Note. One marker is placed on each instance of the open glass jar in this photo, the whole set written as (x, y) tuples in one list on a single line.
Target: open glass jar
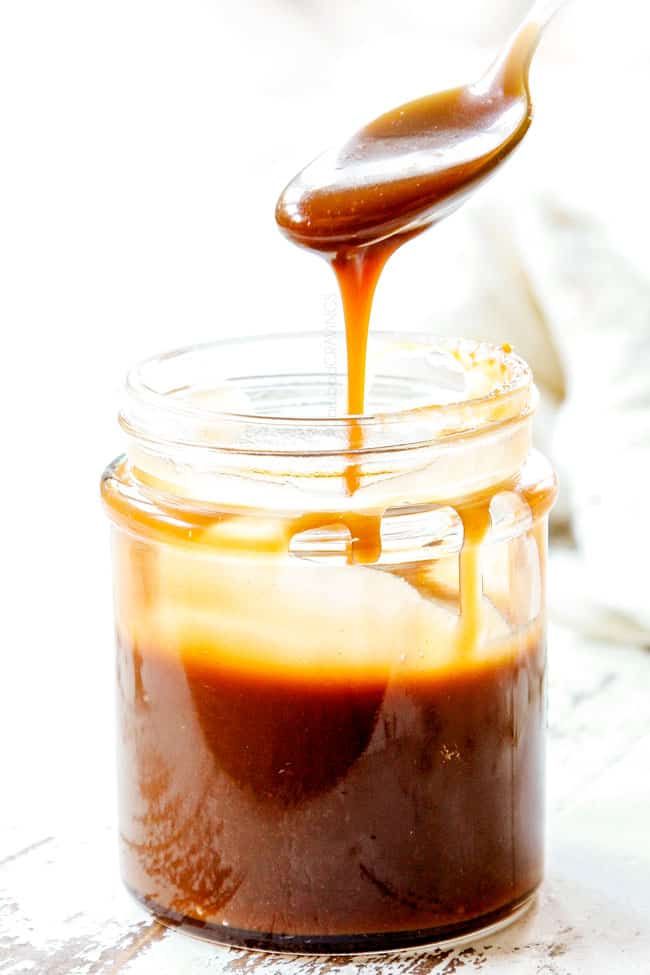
[(330, 641)]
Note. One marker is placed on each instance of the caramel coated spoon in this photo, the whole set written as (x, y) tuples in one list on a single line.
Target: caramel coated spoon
[(417, 163)]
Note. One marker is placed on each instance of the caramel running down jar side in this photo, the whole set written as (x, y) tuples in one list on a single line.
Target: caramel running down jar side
[(331, 699)]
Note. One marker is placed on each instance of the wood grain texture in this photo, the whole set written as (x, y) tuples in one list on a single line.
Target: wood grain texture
[(63, 911)]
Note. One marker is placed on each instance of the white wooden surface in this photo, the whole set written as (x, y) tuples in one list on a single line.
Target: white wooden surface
[(63, 912)]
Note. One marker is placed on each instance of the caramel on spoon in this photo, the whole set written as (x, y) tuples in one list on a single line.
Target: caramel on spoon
[(417, 163)]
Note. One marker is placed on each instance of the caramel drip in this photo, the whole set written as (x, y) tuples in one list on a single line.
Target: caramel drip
[(364, 528), (357, 272), (475, 518), (474, 514), (352, 472)]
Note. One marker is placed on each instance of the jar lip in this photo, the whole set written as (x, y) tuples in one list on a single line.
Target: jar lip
[(163, 412)]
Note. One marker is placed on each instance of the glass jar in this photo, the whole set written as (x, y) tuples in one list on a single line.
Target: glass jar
[(330, 635)]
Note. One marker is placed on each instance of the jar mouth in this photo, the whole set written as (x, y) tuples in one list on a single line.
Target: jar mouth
[(285, 394)]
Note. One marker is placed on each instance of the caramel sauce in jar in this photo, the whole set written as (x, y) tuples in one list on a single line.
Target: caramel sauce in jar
[(330, 630)]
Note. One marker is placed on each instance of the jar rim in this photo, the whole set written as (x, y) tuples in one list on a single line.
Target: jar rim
[(157, 404)]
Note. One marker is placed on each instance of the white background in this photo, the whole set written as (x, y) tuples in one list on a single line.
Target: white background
[(143, 144)]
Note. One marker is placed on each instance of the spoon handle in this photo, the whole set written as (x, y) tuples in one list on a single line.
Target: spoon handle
[(543, 10), (510, 70)]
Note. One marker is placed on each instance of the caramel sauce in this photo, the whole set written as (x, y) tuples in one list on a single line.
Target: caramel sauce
[(324, 757), (414, 164), (349, 814)]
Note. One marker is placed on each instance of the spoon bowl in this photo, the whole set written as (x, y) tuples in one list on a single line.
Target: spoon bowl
[(416, 164)]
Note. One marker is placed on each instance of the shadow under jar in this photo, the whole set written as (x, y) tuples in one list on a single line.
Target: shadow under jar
[(330, 642)]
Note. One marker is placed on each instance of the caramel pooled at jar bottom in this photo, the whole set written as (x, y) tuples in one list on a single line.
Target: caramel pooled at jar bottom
[(331, 705)]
